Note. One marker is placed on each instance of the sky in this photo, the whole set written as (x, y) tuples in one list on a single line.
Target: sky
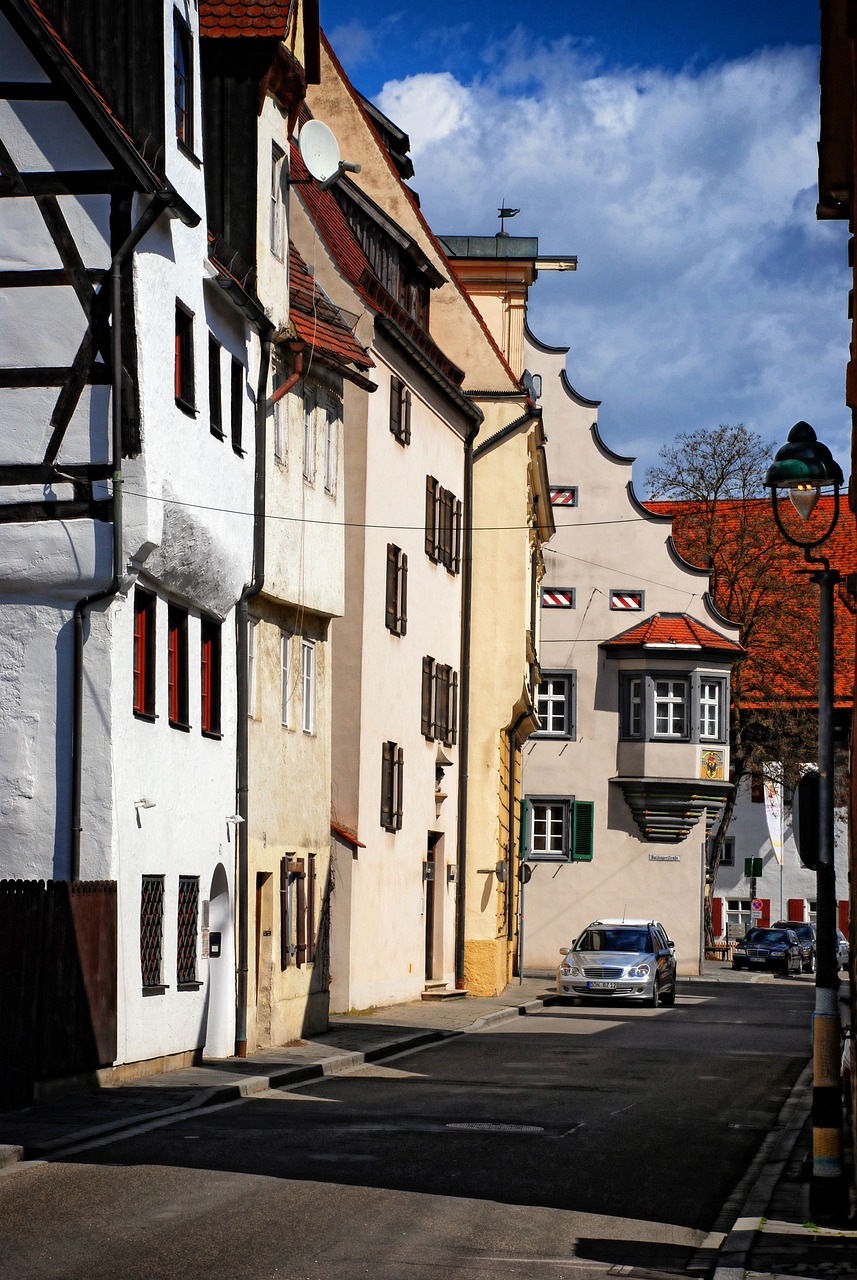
[(670, 145)]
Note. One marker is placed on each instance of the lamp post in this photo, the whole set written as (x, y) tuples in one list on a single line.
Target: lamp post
[(804, 466)]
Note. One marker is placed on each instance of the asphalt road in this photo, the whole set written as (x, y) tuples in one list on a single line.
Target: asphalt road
[(559, 1145)]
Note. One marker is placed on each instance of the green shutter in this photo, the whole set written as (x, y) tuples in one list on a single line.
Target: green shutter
[(583, 820)]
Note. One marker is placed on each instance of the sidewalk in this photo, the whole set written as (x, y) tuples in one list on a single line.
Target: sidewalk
[(769, 1237)]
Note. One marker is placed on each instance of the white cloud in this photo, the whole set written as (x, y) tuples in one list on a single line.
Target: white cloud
[(707, 291)]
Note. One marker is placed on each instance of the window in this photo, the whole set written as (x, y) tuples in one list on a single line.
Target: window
[(681, 708), (281, 421), (627, 601), (215, 389), (309, 436), (308, 684), (561, 829), (278, 219), (145, 605), (757, 788), (564, 496), (558, 597), (152, 931), (188, 918), (177, 666), (252, 666), (439, 717), (396, 611), (727, 853), (392, 775), (331, 444), (237, 404), (184, 359), (210, 677), (739, 916), (555, 705), (285, 679), (670, 704), (297, 911), (400, 411), (183, 67), (443, 526)]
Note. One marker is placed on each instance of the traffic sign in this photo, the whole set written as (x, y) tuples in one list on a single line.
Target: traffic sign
[(756, 904)]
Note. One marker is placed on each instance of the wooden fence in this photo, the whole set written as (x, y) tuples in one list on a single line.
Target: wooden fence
[(57, 982)]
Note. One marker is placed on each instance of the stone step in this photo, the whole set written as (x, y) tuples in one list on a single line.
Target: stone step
[(440, 991)]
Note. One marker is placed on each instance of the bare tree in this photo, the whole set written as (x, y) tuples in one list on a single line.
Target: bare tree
[(712, 481)]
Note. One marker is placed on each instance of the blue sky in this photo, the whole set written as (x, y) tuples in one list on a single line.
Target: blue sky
[(671, 145)]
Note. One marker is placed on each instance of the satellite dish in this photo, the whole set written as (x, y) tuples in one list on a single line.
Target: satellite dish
[(319, 150)]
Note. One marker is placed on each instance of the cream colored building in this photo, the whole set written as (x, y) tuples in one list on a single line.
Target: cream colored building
[(631, 763)]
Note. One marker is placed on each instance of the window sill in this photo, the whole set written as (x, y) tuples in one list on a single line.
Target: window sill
[(236, 449), (189, 986), (148, 716), (186, 407), (215, 734), (156, 991), (218, 435), (188, 153), (181, 725)]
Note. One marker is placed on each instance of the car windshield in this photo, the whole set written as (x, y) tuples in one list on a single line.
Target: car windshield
[(767, 935), (614, 939), (803, 931)]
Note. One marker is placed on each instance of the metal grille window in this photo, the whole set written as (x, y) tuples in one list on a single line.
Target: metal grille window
[(152, 931), (188, 920), (392, 778), (400, 411), (555, 705), (443, 526), (439, 711), (396, 613)]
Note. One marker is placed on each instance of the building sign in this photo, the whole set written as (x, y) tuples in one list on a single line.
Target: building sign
[(711, 764), (664, 857)]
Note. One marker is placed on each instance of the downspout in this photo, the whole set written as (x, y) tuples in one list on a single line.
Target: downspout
[(510, 858), (242, 623), (464, 718), (161, 201)]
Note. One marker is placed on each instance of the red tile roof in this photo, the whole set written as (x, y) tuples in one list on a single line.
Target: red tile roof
[(674, 632), (318, 322), (244, 18), (782, 645)]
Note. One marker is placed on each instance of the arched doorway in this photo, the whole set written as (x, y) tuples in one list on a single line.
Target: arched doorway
[(220, 1015)]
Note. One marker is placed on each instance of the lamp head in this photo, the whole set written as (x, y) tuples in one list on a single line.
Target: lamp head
[(804, 466)]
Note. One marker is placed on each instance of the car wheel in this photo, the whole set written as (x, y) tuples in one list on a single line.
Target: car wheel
[(655, 998), (809, 967), (670, 997), (737, 964)]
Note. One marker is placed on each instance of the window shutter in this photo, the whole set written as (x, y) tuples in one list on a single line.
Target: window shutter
[(842, 914), (456, 557), (431, 487), (387, 785), (284, 914), (310, 910), (399, 785), (584, 820), (392, 593), (406, 416), (426, 718), (717, 916), (300, 912), (403, 592), (453, 709), (765, 918), (396, 407), (797, 909)]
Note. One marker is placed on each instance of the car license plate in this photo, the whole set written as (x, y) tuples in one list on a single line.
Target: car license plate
[(602, 986)]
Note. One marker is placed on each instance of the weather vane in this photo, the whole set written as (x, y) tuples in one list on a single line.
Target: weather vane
[(503, 213)]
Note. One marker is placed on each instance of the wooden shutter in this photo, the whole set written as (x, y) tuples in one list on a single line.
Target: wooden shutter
[(583, 822), (405, 412), (285, 949), (765, 917), (456, 556), (426, 717), (403, 593), (431, 523), (842, 915), (297, 870), (310, 910), (717, 916), (453, 709), (396, 407), (392, 583), (387, 785), (399, 785), (796, 909)]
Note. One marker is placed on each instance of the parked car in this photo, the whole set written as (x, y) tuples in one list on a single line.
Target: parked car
[(776, 949), (842, 949), (628, 959), (806, 936)]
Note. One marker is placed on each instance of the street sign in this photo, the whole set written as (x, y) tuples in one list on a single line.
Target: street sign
[(752, 867), (756, 904)]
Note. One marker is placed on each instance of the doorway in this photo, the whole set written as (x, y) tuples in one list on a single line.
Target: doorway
[(430, 869)]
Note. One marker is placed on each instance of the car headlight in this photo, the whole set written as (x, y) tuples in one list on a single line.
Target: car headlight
[(740, 951), (639, 971), (569, 971)]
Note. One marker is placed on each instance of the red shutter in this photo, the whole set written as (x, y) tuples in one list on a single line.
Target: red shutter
[(717, 916), (765, 918), (842, 915), (797, 909)]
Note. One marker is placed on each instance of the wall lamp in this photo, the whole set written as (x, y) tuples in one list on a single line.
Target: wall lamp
[(144, 803), (804, 467)]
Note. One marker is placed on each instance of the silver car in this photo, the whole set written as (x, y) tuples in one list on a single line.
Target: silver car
[(629, 959)]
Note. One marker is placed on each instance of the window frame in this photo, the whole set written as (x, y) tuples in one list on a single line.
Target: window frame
[(617, 593), (570, 592), (178, 667), (285, 678), (281, 417), (570, 489), (401, 402), (443, 526), (277, 224), (332, 420), (308, 683), (215, 388), (439, 702), (671, 708), (568, 697), (183, 82), (152, 894), (211, 658), (252, 667), (144, 666), (187, 933), (185, 381), (237, 392), (310, 410), (637, 716), (577, 831)]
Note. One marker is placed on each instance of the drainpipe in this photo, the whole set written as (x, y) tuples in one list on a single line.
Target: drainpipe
[(510, 858), (242, 623), (161, 201), (464, 718)]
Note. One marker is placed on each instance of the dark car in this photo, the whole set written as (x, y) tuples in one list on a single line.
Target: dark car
[(776, 949), (806, 937)]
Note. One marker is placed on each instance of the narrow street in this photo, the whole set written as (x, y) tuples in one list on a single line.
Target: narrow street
[(561, 1144)]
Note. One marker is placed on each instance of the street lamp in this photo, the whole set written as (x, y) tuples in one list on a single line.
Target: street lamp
[(804, 466)]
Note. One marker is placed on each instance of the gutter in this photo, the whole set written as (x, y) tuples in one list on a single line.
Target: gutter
[(161, 201), (512, 732), (464, 701)]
